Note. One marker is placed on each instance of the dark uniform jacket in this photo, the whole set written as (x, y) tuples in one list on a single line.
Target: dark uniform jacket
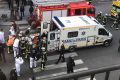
[(13, 75), (2, 76), (33, 52)]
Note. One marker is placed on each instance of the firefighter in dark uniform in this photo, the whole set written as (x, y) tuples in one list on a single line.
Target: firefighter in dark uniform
[(61, 56), (23, 46), (116, 23), (90, 2), (43, 58), (105, 19), (99, 17), (28, 45)]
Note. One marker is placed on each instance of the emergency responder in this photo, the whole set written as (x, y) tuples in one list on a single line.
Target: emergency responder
[(23, 44), (29, 45), (18, 62), (61, 56), (44, 42), (10, 44), (99, 17), (105, 19), (16, 46), (43, 58), (90, 2), (116, 23), (33, 58), (70, 64), (2, 75), (13, 74)]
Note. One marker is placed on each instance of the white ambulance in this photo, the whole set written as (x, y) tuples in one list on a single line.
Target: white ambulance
[(75, 32)]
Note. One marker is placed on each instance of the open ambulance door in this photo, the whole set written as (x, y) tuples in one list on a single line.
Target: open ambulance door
[(53, 40), (45, 27)]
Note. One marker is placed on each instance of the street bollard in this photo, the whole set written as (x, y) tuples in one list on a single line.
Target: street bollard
[(107, 75)]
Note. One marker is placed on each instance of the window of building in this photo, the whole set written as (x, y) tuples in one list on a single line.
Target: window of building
[(72, 34)]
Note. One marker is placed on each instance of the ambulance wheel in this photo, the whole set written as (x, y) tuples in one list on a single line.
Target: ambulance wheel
[(72, 48), (106, 43)]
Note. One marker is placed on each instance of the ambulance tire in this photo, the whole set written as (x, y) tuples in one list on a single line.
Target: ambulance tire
[(72, 48), (106, 43)]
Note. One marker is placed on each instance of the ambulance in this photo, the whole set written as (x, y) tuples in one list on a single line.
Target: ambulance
[(75, 32)]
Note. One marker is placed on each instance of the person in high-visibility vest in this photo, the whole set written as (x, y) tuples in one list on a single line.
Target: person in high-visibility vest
[(10, 43)]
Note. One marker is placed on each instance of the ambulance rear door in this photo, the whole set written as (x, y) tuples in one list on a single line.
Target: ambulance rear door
[(53, 40)]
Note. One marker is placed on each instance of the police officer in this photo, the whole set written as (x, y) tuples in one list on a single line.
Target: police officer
[(70, 64), (61, 56), (33, 58), (43, 58)]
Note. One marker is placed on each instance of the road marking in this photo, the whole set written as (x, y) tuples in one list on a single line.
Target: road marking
[(57, 56), (61, 73), (55, 66)]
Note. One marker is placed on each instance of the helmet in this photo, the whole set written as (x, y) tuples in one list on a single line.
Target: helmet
[(43, 48), (106, 14)]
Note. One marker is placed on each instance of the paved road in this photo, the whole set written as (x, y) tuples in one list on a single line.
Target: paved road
[(85, 58)]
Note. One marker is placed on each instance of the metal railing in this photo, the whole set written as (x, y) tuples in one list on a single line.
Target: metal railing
[(90, 73)]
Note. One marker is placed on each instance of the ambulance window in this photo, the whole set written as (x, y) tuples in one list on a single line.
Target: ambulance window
[(45, 25), (77, 12), (102, 32), (52, 36), (72, 34)]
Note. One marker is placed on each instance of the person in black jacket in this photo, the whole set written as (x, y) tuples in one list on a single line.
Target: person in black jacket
[(31, 9), (13, 75), (62, 51), (2, 75), (70, 64), (22, 9), (33, 58)]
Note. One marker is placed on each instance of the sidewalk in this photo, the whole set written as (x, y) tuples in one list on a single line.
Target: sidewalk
[(5, 10)]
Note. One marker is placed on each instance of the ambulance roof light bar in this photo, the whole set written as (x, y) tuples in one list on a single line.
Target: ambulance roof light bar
[(54, 2)]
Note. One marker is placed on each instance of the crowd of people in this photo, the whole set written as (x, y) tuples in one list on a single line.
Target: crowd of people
[(17, 8)]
